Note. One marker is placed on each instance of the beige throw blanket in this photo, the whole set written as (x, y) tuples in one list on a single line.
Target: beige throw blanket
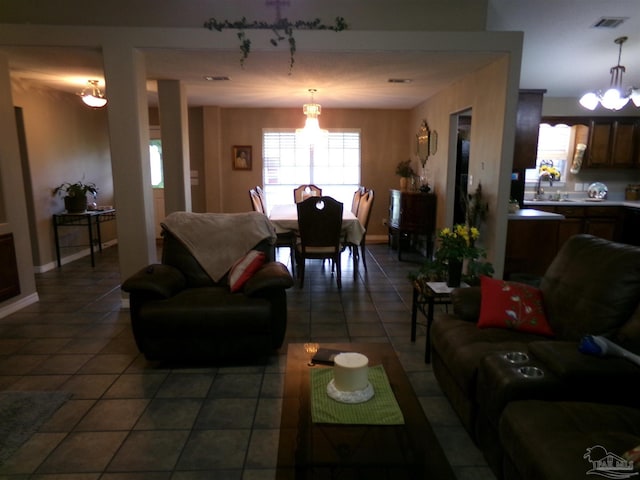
[(217, 240)]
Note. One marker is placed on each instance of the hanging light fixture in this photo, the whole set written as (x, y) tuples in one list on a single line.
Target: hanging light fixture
[(311, 133), (616, 97), (92, 95)]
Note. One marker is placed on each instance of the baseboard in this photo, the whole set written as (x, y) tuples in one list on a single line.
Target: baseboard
[(19, 304), (72, 258)]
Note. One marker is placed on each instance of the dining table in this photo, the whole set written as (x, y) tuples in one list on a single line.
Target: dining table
[(285, 219)]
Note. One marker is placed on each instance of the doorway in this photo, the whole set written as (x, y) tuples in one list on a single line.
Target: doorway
[(463, 147)]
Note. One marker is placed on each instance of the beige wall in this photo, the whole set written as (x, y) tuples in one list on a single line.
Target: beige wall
[(66, 142), (485, 93), (384, 143)]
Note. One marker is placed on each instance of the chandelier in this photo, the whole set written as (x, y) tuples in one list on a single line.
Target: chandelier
[(616, 97), (311, 133), (92, 95)]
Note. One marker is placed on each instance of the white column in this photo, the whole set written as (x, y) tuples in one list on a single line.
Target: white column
[(174, 129), (129, 138)]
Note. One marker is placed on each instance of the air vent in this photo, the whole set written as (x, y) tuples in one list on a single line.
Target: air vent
[(216, 78), (609, 22), (399, 80)]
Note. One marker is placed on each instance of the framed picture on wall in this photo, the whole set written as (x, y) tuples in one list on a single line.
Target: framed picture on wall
[(241, 157)]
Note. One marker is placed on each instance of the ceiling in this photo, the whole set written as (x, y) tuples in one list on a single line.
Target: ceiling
[(562, 53)]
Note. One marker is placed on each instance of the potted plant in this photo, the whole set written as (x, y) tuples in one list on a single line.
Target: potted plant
[(75, 195), (405, 171)]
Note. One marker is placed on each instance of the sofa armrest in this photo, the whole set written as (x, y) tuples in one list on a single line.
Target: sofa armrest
[(565, 360), (270, 275), (466, 303), (156, 279)]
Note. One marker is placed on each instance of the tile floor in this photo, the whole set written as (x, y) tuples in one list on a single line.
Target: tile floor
[(131, 419)]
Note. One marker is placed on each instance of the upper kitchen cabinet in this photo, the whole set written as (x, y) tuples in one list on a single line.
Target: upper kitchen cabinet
[(613, 143), (527, 127)]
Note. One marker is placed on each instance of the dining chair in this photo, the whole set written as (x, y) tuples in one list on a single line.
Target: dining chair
[(364, 213), (355, 203), (256, 204), (319, 227), (304, 191), (263, 198)]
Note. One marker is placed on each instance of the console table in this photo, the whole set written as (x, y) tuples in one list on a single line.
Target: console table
[(412, 213), (91, 219)]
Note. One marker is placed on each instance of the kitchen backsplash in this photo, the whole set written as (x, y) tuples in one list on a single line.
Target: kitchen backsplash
[(576, 185)]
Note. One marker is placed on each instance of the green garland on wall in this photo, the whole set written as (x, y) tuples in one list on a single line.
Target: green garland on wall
[(282, 30)]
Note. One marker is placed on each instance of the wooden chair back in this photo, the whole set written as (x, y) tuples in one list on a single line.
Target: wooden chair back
[(256, 204), (305, 191)]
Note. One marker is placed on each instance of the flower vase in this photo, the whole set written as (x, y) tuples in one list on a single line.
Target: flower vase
[(404, 181), (454, 273)]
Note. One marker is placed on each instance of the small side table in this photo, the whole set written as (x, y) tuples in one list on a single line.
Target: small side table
[(427, 295), (89, 219)]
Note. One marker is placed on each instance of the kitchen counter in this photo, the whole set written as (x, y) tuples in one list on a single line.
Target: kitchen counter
[(532, 214), (583, 202)]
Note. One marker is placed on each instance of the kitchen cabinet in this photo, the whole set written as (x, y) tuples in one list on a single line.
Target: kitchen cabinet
[(412, 213), (531, 246), (631, 226), (613, 143), (601, 221), (527, 128)]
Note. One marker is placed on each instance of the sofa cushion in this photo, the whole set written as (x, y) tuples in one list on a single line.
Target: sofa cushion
[(244, 269), (552, 439), (512, 305), (592, 287), (207, 311)]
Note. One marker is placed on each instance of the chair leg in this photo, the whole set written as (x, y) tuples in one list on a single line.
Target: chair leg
[(363, 255), (301, 270), (354, 253), (338, 272)]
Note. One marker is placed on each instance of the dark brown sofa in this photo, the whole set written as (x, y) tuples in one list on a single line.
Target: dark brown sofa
[(178, 312), (591, 288)]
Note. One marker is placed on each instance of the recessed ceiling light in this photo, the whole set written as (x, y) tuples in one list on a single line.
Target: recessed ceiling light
[(216, 78), (400, 80)]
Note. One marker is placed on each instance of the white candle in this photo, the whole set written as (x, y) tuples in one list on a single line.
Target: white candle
[(350, 371)]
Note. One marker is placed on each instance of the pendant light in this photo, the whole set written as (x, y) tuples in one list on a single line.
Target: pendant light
[(92, 95), (616, 97), (311, 133)]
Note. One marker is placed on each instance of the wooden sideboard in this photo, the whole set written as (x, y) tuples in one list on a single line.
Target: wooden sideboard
[(412, 213)]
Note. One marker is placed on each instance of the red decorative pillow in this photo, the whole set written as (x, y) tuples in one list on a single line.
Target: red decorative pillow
[(244, 269), (512, 305)]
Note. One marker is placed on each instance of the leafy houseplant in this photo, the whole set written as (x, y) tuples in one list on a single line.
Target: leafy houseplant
[(404, 169), (75, 195)]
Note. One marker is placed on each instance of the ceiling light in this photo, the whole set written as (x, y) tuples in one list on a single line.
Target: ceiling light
[(95, 97), (399, 80), (216, 78), (311, 133), (616, 97)]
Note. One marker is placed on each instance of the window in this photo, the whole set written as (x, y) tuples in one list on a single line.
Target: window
[(333, 164), (155, 155), (554, 152)]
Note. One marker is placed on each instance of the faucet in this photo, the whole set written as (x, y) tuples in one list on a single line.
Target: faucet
[(539, 191)]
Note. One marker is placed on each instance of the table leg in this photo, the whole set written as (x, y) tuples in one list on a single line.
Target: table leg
[(427, 347), (98, 233), (414, 314), (93, 261), (55, 234)]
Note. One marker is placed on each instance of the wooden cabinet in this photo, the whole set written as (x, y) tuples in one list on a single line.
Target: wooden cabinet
[(602, 221), (9, 279), (531, 246), (527, 128), (412, 213), (613, 143)]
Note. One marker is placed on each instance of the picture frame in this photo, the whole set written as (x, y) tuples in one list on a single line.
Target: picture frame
[(241, 158)]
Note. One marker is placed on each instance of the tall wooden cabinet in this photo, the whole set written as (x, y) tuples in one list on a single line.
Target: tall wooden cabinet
[(412, 213)]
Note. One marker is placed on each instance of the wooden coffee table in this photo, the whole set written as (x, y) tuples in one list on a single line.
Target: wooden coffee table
[(310, 450)]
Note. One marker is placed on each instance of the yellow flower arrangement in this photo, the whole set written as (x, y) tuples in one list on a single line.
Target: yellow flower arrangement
[(548, 170), (458, 242)]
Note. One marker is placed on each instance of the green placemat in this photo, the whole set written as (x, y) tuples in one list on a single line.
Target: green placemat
[(381, 409)]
